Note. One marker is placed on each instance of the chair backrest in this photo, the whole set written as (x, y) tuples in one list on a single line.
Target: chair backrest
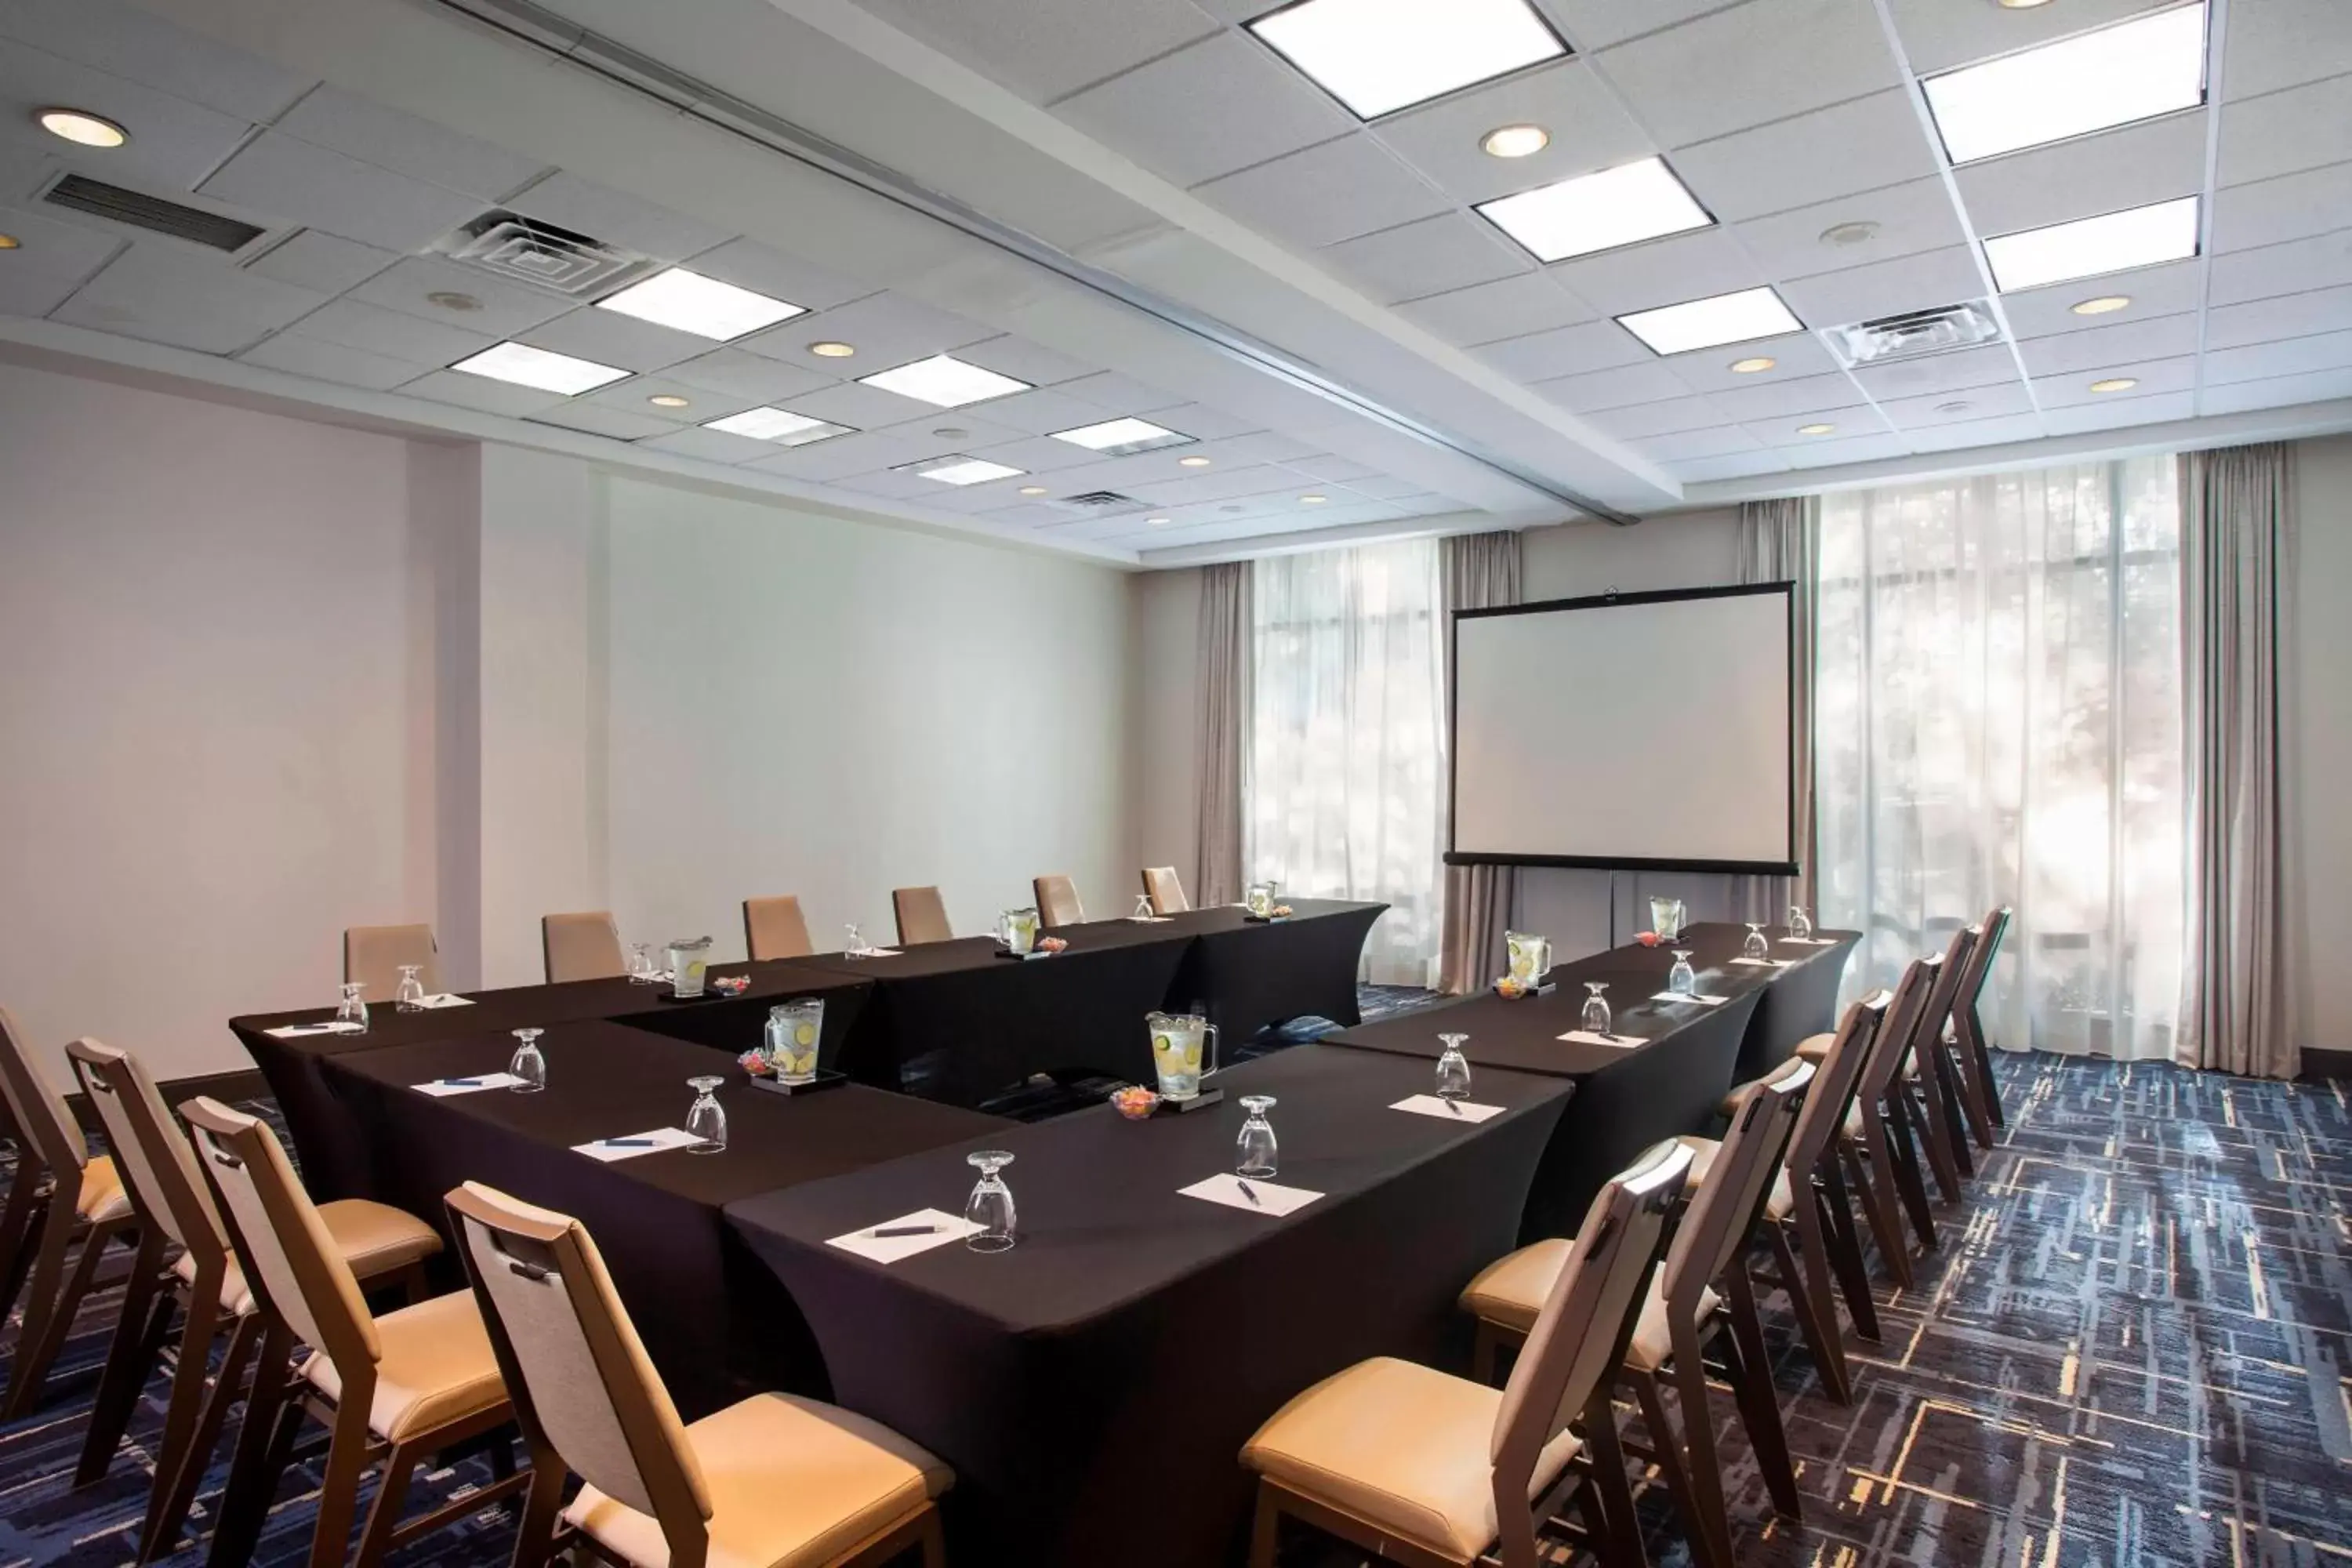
[(584, 946), (1057, 902), (372, 956), (1990, 931), (922, 916), (157, 1166), (1927, 1037), (579, 1376), (293, 1268), (1892, 1046), (1715, 1225), (1838, 1075), (1165, 889), (45, 1128), (773, 928), (1580, 1331)]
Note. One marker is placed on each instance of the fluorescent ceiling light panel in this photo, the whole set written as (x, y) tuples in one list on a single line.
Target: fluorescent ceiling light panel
[(703, 306), (779, 424), (1710, 324), (1380, 55), (528, 366), (1617, 207), (960, 469), (1118, 437), (944, 382), (2133, 71), (2112, 242)]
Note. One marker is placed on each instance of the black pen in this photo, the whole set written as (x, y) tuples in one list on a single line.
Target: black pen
[(628, 1142), (1248, 1193), (1451, 1107), (461, 1083), (907, 1230)]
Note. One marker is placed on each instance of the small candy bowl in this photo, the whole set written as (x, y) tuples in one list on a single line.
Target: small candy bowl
[(1510, 990), (755, 1064), (1051, 943), (1134, 1102), (731, 984), (1282, 911), (1647, 938)]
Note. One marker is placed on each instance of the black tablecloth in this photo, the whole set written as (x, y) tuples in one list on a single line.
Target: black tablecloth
[(1248, 974), (1093, 1386), (716, 1323)]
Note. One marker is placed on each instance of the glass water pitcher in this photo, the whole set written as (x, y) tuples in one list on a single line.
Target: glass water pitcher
[(1531, 956), (1177, 1042), (1016, 930), (795, 1029), (689, 961), (1666, 918)]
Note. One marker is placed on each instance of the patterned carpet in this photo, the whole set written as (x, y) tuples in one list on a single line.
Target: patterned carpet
[(2132, 1350)]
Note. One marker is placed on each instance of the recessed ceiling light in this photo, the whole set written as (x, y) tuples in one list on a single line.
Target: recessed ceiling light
[(2133, 71), (703, 306), (8, 242), (1815, 429), (1514, 140), (1850, 234), (2116, 383), (1195, 461), (1380, 55), (1313, 500), (528, 366), (1622, 206), (944, 382), (1157, 522), (2103, 305), (670, 400), (1032, 489), (1118, 437), (83, 130), (2112, 242), (830, 350), (2021, 4), (959, 469), (1709, 323), (451, 300), (782, 424), (1753, 364)]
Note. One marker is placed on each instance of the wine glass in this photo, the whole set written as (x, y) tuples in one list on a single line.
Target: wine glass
[(1682, 979), (410, 996), (1452, 1068), (855, 947), (641, 964), (1597, 1018), (990, 1203), (1143, 907), (1800, 924), (528, 1064), (353, 1009), (1253, 1151), (1756, 946), (707, 1119)]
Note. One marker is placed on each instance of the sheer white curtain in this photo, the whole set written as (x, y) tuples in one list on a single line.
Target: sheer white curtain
[(1346, 788), (1998, 721)]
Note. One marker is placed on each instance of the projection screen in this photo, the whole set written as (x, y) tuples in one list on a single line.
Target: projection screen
[(1635, 732)]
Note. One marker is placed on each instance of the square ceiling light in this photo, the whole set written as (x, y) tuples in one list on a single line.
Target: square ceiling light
[(959, 469), (528, 366), (944, 382), (1712, 322), (703, 306), (1622, 206), (1380, 55), (780, 425), (2133, 71), (2112, 242), (1123, 437)]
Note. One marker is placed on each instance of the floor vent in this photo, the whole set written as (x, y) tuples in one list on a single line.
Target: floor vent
[(1915, 332), (525, 250), (153, 214)]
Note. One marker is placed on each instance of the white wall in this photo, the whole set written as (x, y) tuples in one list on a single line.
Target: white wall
[(2316, 736)]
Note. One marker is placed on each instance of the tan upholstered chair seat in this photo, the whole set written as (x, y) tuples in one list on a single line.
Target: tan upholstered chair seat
[(1815, 1048), (1511, 1290), (374, 1239), (101, 1196), (792, 1483), (436, 1367), (1779, 1207), (1402, 1448)]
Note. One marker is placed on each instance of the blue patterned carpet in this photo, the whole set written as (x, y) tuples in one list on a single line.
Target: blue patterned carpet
[(2132, 1350)]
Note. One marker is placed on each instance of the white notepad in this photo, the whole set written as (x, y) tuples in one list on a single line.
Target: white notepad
[(1702, 1001), (1766, 963), (1148, 920), (1810, 940), (1271, 1199), (891, 1248), (655, 1141), (444, 999), (1587, 1037), (296, 1031), (1431, 1105), (442, 1088)]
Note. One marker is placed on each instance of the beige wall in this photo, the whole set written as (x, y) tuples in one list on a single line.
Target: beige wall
[(1165, 722), (2316, 732)]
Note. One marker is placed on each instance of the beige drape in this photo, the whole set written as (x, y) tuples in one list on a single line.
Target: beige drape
[(1780, 540), (1222, 735), (1476, 570), (2235, 526)]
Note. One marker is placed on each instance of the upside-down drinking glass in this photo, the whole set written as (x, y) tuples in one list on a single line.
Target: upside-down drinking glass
[(528, 1064), (1452, 1068), (409, 997), (641, 964), (353, 1009), (1143, 907), (1596, 1008), (1682, 979), (1756, 946), (854, 945), (990, 1203), (1800, 924), (1254, 1151), (707, 1119)]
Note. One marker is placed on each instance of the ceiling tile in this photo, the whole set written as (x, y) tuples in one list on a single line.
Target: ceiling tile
[(322, 261), (288, 178), (173, 142), (1822, 453), (1044, 412), (2302, 128), (2285, 316), (1712, 443), (1325, 193), (479, 392), (2289, 207), (608, 337), (841, 456), (1709, 370), (2130, 166), (2239, 397), (2166, 289), (1432, 257), (733, 373), (2259, 361), (1845, 423), (959, 430), (712, 446), (1640, 420), (1974, 406), (2117, 413), (1596, 24), (1646, 381), (1120, 394), (1957, 371), (363, 129), (597, 419), (748, 264), (505, 309), (323, 361), (887, 331), (1381, 487), (1910, 218), (2159, 337), (861, 407), (25, 293), (1694, 266), (1036, 454), (168, 295), (1024, 361), (616, 219), (1865, 146), (1885, 287), (1198, 420), (1507, 307), (53, 248), (354, 323), (1939, 34), (1565, 351), (134, 45), (1762, 61), (2073, 389), (1207, 110), (1338, 470), (1730, 465), (2323, 261), (2282, 43), (1994, 432), (1047, 49), (635, 396), (1789, 401), (1590, 131)]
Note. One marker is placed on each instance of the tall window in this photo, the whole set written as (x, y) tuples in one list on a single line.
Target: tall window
[(1345, 789), (1998, 721)]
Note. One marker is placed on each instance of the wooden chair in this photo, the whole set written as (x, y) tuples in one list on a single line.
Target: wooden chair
[(1986, 1114), (1165, 890), (1422, 1468), (373, 955), (394, 1390), (922, 916), (1878, 1141), (83, 1202), (206, 1283), (773, 928), (1933, 1081), (773, 1478), (584, 946), (1703, 1287), (1057, 902)]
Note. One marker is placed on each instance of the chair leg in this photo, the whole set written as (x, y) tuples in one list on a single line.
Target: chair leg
[(1265, 1528), (1908, 1173), (129, 1360), (383, 1513), (1955, 1095), (262, 1445), (1688, 1371), (1620, 1537), (1760, 1408), (50, 1314), (17, 1219), (1973, 1039), (1484, 1347), (542, 1507), (339, 1493), (192, 1425), (1931, 1108), (1808, 1294), (934, 1542), (1878, 1208), (1667, 1445), (1840, 1239)]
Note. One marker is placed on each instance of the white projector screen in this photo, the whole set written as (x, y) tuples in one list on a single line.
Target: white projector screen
[(1637, 731)]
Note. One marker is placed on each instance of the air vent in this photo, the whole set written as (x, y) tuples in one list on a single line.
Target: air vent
[(1097, 500), (524, 250), (153, 214), (1915, 332)]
